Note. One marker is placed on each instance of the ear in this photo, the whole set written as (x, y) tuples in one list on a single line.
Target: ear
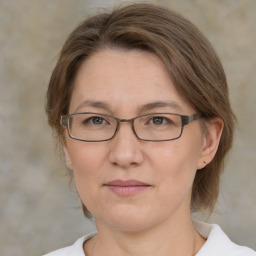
[(67, 157), (211, 140)]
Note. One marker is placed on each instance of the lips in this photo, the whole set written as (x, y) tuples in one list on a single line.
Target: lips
[(127, 187), (126, 183)]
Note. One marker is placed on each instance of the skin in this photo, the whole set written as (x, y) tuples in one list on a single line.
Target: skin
[(138, 224)]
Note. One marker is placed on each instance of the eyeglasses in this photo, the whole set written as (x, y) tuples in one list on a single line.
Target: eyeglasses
[(94, 127)]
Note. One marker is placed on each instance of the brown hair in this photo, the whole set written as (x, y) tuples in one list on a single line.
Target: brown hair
[(192, 63)]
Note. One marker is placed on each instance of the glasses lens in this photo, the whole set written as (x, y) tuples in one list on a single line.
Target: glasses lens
[(92, 127), (158, 126)]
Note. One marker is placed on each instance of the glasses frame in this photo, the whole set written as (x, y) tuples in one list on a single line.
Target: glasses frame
[(185, 120)]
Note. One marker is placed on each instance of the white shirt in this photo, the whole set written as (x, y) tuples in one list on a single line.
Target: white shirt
[(217, 244)]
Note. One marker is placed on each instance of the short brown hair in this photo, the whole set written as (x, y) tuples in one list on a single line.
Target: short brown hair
[(192, 63)]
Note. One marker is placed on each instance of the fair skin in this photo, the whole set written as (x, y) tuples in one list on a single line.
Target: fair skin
[(136, 224)]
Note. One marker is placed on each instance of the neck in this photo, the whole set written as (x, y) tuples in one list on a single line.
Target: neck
[(168, 238)]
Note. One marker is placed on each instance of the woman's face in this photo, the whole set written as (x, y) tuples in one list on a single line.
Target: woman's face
[(127, 183)]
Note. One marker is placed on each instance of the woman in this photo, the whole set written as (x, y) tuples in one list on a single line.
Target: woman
[(139, 102)]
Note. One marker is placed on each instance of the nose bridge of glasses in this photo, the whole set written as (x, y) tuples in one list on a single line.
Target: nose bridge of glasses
[(122, 120)]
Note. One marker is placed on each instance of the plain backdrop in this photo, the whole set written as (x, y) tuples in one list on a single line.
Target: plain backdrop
[(39, 209)]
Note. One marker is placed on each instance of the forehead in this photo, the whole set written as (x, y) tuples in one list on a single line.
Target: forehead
[(124, 80)]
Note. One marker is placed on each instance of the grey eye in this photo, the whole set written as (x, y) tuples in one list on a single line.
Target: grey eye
[(158, 120), (94, 120), (97, 120)]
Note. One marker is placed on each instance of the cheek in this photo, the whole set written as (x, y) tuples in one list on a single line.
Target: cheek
[(86, 163), (86, 157), (175, 166)]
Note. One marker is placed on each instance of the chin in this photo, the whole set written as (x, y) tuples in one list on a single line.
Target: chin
[(130, 219), (129, 224)]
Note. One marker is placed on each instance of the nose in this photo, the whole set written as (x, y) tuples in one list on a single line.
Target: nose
[(126, 148)]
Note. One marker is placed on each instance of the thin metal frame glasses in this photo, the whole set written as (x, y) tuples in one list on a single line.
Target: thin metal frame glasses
[(95, 127)]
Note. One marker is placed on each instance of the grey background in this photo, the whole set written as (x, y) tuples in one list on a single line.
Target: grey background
[(39, 209)]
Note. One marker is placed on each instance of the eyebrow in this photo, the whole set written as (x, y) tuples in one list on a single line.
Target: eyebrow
[(160, 104), (95, 104), (147, 107)]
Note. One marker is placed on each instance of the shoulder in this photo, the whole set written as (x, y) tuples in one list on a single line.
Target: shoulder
[(74, 250), (218, 243)]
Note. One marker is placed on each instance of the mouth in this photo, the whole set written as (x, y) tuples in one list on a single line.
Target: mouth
[(127, 187)]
